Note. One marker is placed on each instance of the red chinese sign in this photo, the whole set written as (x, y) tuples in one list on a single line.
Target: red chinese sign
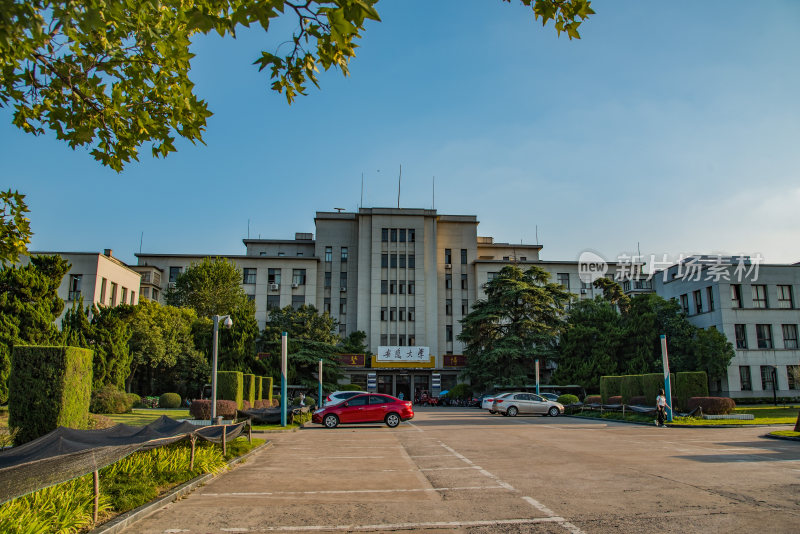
[(352, 360), (455, 360)]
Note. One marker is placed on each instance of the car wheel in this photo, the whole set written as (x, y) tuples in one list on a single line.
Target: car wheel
[(330, 421), (392, 420), (492, 412), (512, 411), (553, 412)]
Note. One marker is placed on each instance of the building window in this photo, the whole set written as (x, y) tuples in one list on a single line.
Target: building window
[(393, 261), (299, 277), (448, 281), (448, 307), (251, 298), (402, 314), (74, 286), (698, 301), (491, 276), (411, 288), (298, 301), (464, 307), (448, 333), (123, 299), (411, 314), (401, 340), (343, 280), (384, 235), (464, 281), (523, 258), (113, 299), (760, 296), (342, 329), (789, 336), (402, 287), (411, 235), (384, 339), (392, 287), (736, 295), (393, 233), (401, 261), (448, 255), (273, 302), (345, 254), (685, 303), (793, 374), (155, 294), (326, 305), (463, 256), (299, 253), (764, 336), (328, 254), (563, 279), (785, 299), (402, 235), (274, 276), (767, 377), (281, 254), (249, 276), (384, 260), (328, 279), (412, 340), (744, 378), (392, 314), (342, 306), (174, 273), (384, 287), (146, 292), (411, 261), (384, 313), (710, 298), (741, 336), (133, 297)]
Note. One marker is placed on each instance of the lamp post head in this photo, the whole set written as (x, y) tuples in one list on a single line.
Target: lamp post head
[(228, 322)]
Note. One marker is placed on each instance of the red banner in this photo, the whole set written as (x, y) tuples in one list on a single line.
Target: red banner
[(455, 360), (352, 360)]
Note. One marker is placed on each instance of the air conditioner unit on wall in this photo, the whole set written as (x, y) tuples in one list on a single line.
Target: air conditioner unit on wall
[(171, 285), (343, 288), (295, 286), (448, 265), (583, 291), (274, 287)]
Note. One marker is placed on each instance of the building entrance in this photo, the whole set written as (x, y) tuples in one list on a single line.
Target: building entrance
[(402, 385), (421, 383)]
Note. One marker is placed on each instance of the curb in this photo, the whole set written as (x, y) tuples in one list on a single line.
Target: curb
[(673, 425), (130, 517), (785, 438)]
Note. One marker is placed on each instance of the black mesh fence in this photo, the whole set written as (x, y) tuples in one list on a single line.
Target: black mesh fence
[(66, 453)]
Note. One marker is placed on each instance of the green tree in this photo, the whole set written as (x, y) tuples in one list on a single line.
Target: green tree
[(355, 343), (29, 306), (712, 353), (112, 75), (518, 321), (311, 337), (211, 287), (612, 292), (15, 228)]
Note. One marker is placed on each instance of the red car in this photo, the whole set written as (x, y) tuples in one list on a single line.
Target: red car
[(365, 408)]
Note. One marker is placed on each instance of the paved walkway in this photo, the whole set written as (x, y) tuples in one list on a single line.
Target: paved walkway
[(462, 470)]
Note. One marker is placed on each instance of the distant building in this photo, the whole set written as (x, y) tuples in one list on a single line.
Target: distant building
[(755, 306), (98, 278), (406, 277)]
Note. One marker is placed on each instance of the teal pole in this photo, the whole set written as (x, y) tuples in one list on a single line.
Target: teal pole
[(667, 388), (537, 376), (283, 377), (319, 395)]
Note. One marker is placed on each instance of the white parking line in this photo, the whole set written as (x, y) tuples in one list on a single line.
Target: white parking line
[(398, 526)]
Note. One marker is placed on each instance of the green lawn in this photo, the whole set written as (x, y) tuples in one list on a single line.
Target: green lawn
[(764, 415), (143, 416), (785, 433)]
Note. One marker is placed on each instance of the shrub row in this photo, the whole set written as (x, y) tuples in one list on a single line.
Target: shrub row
[(711, 405), (593, 399), (201, 409), (684, 385), (169, 400), (108, 399), (615, 399), (567, 399), (239, 387)]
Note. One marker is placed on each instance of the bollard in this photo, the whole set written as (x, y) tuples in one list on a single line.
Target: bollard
[(250, 431), (96, 496)]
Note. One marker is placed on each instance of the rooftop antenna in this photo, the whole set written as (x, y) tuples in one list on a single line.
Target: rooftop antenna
[(399, 178), (141, 238), (248, 228), (433, 186), (537, 234), (340, 210), (362, 191)]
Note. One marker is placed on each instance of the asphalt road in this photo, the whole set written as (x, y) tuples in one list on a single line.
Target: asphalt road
[(462, 470)]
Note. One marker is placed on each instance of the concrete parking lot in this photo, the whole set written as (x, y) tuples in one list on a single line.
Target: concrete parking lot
[(462, 470)]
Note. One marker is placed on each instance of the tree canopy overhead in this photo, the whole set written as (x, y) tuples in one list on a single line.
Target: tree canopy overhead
[(113, 75)]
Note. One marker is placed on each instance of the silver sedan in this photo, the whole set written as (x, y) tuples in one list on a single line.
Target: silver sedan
[(527, 403), (488, 402)]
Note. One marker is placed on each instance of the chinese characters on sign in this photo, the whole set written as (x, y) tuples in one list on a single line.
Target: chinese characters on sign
[(352, 360), (403, 354), (455, 360)]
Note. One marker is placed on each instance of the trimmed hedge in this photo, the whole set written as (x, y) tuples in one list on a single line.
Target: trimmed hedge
[(592, 399), (568, 399), (610, 386), (48, 387), (260, 404), (641, 400), (169, 400), (135, 400), (266, 388), (615, 399), (201, 409), (630, 386), (711, 405), (249, 391), (108, 399), (230, 386), (688, 385), (259, 389), (652, 383)]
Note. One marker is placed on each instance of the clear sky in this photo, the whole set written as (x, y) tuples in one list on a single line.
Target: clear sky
[(674, 124)]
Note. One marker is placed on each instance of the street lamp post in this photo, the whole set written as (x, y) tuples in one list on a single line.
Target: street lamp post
[(227, 322)]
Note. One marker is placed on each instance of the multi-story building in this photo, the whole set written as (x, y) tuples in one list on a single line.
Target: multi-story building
[(405, 277), (755, 306), (98, 278)]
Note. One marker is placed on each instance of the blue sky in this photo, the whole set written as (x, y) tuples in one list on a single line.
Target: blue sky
[(672, 124)]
